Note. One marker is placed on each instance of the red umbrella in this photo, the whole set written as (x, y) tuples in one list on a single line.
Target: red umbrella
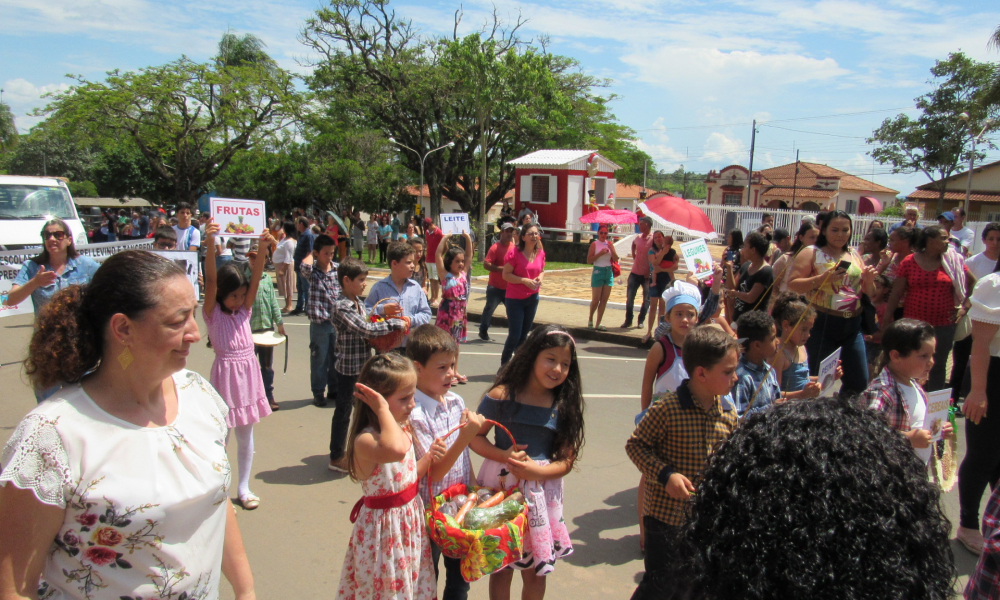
[(610, 217), (678, 213)]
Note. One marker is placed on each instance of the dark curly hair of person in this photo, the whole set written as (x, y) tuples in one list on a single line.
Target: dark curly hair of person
[(515, 375), (816, 499), (69, 333)]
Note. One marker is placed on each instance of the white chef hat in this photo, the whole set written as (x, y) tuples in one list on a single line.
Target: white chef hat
[(682, 292)]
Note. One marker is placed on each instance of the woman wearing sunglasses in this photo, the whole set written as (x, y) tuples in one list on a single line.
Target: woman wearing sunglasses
[(57, 267)]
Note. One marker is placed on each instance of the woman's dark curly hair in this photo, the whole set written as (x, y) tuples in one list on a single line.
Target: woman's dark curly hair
[(69, 333), (817, 499), (516, 374)]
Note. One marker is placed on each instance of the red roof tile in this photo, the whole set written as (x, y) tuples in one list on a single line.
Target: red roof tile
[(978, 196), (784, 175)]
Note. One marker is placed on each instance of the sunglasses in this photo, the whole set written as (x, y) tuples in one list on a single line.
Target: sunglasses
[(59, 235)]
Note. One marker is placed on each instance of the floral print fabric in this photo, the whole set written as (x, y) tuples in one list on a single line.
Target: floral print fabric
[(451, 314), (389, 555), (145, 506), (482, 551)]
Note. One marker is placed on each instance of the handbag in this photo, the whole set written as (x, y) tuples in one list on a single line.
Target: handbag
[(616, 268), (869, 323)]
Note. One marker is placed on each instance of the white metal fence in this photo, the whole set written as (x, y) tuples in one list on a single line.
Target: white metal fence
[(747, 219)]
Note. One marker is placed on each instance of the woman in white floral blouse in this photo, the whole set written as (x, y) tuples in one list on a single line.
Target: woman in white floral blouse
[(118, 483)]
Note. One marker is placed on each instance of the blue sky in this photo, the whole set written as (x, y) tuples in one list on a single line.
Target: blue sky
[(691, 75)]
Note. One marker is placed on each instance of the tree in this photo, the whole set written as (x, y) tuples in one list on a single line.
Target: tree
[(485, 90), (187, 119), (938, 143), (992, 98), (49, 151), (8, 128)]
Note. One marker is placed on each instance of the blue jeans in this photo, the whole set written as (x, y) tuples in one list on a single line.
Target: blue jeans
[(494, 297), (302, 283), (322, 343), (632, 287), (520, 318), (831, 332)]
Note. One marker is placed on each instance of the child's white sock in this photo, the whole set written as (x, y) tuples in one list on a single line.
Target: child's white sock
[(244, 457)]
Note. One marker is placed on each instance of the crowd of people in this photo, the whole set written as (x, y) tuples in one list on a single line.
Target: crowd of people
[(752, 484)]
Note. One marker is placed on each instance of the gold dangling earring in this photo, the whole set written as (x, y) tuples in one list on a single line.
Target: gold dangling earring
[(125, 358)]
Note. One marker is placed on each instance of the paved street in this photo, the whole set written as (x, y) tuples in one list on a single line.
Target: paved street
[(297, 538)]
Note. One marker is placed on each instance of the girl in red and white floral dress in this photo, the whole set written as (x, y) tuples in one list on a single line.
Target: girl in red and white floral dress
[(389, 554)]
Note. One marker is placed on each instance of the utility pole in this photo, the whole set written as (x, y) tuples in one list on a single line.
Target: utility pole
[(753, 139), (795, 181)]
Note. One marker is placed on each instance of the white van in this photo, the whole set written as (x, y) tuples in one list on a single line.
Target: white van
[(26, 203)]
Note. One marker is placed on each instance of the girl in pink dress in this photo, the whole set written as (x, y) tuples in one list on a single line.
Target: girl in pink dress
[(229, 297), (389, 554), (452, 315)]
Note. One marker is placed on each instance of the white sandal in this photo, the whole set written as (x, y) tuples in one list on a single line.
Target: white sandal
[(249, 501)]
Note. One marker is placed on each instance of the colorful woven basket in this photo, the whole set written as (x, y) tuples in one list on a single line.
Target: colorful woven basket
[(482, 551)]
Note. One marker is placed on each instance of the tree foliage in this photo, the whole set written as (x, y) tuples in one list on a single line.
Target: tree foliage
[(51, 151), (188, 120), (8, 128), (425, 93), (937, 143)]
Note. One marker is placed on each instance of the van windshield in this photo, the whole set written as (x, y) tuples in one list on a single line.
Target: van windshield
[(19, 201)]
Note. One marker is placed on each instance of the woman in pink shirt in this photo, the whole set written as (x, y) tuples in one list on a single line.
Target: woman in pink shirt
[(523, 271)]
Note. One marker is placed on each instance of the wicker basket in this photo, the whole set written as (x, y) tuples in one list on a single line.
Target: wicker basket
[(387, 342)]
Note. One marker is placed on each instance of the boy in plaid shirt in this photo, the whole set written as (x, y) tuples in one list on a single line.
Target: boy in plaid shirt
[(320, 271), (353, 328), (672, 444), (438, 410)]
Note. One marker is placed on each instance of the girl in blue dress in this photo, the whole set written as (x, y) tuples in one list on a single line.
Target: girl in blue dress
[(539, 398)]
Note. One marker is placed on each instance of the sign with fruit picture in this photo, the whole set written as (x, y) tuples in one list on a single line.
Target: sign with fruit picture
[(238, 218)]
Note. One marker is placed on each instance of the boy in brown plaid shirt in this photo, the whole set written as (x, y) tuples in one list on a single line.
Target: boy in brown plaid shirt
[(672, 443)]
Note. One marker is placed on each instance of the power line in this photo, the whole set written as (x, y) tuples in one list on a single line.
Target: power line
[(830, 116), (837, 135)]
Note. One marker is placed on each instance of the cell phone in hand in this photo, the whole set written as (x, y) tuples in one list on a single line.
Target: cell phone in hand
[(844, 264), (730, 255)]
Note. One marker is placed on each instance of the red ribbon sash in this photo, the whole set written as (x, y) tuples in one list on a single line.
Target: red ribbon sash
[(384, 502)]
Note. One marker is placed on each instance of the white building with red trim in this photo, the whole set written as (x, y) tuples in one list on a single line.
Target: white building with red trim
[(801, 186), (554, 184)]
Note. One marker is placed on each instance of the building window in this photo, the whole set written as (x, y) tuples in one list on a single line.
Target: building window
[(540, 188), (730, 199), (851, 207)]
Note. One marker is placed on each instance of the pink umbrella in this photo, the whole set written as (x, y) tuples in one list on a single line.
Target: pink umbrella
[(678, 213), (610, 217)]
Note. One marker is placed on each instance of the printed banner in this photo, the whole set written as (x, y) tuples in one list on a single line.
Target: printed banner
[(11, 261), (239, 218), (185, 259), (698, 258), (455, 223)]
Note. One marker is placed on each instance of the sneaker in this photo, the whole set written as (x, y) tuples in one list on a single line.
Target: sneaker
[(485, 337), (640, 324), (320, 401), (971, 539), (338, 466), (626, 325), (274, 405)]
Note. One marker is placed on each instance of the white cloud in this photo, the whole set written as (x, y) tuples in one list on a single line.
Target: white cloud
[(23, 97), (710, 72), (720, 148)]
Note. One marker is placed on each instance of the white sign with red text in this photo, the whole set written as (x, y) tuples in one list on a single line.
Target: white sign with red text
[(238, 218)]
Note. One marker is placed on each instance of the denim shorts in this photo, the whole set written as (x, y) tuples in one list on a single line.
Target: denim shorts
[(602, 276)]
